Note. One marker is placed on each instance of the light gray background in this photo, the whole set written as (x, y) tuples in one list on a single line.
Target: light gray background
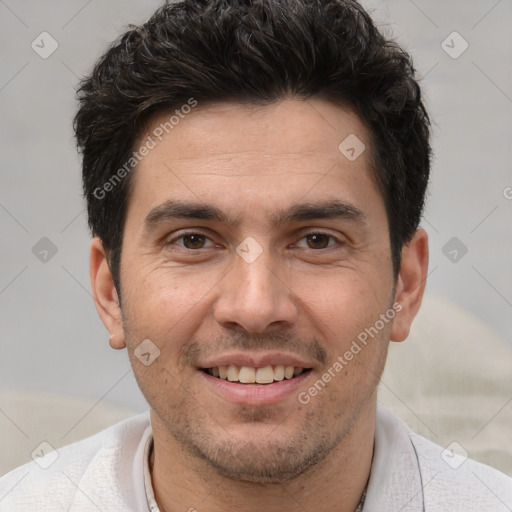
[(52, 339)]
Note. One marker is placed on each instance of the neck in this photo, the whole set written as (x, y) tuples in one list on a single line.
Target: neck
[(181, 481)]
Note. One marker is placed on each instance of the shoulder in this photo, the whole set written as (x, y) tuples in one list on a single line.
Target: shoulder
[(77, 472), (452, 481), (411, 473)]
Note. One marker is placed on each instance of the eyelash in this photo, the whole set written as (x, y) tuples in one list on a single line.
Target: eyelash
[(188, 233)]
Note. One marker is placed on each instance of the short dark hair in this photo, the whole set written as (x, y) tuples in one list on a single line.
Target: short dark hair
[(253, 51)]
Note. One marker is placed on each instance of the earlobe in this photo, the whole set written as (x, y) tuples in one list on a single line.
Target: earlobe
[(105, 294), (410, 284)]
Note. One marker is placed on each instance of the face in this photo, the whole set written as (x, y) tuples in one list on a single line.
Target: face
[(253, 243)]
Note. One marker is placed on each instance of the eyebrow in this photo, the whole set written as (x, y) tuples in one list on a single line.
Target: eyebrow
[(334, 209)]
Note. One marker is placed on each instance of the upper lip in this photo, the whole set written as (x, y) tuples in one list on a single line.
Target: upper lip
[(255, 360)]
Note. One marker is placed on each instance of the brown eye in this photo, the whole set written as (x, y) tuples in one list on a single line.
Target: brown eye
[(317, 240), (194, 241)]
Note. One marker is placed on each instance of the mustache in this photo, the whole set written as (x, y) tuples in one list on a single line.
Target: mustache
[(310, 349)]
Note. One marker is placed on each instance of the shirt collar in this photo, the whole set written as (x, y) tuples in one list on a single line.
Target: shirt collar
[(150, 495), (395, 480)]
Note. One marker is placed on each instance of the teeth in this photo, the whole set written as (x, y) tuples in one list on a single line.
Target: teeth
[(279, 372), (248, 375), (265, 375), (233, 373)]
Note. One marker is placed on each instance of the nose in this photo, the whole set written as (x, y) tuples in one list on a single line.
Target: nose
[(254, 298)]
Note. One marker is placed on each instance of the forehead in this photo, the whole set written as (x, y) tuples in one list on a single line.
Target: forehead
[(291, 126), (255, 156)]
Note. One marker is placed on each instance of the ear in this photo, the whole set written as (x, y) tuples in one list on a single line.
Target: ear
[(410, 284), (105, 294)]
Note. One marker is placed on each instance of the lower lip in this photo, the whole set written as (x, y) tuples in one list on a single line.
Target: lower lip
[(255, 394)]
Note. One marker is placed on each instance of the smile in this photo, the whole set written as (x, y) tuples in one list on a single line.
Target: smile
[(250, 375)]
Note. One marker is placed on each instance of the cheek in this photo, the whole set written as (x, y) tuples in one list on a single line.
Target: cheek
[(162, 304), (342, 303)]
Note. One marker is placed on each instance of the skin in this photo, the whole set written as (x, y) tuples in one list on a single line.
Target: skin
[(196, 298)]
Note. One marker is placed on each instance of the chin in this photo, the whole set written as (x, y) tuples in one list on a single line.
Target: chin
[(258, 454), (262, 463)]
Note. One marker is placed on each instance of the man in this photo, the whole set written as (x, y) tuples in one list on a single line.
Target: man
[(255, 175)]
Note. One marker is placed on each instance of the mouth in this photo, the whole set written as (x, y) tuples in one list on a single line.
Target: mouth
[(251, 375), (256, 378)]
